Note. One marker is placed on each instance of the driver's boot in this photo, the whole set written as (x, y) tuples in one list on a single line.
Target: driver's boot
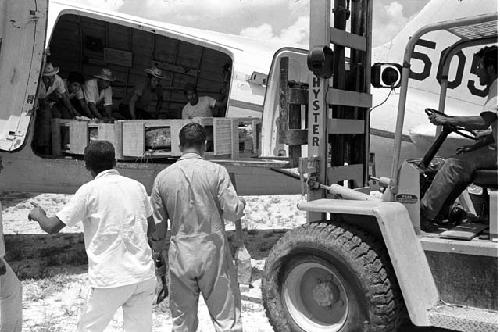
[(428, 226)]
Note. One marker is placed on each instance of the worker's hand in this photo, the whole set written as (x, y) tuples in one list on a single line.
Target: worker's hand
[(159, 260), (480, 134), (438, 120), (161, 290), (36, 213), (3, 268), (465, 148), (237, 241), (243, 201)]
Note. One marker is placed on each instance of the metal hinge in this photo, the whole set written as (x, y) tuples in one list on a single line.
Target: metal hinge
[(33, 17)]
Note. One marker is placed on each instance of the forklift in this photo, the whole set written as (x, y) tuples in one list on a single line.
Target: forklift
[(361, 263)]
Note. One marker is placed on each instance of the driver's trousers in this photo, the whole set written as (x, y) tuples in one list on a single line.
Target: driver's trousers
[(453, 178)]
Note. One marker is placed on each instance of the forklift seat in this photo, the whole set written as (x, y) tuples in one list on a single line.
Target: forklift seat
[(486, 178)]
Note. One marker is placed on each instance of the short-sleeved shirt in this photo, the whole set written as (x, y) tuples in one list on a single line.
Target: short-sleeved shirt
[(491, 106), (92, 94), (114, 211), (196, 195), (58, 87), (78, 94), (202, 109)]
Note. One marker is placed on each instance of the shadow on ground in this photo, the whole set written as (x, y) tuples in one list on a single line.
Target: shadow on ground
[(32, 255)]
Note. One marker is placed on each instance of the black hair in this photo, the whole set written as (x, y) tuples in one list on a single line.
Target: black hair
[(99, 156), (75, 77), (192, 135), (489, 54), (190, 87)]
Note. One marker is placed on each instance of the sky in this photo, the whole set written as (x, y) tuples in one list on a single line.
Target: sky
[(283, 21)]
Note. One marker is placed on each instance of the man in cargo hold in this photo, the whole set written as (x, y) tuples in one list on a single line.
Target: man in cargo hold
[(11, 306), (99, 95), (196, 196), (456, 174), (53, 102), (147, 99), (116, 216), (200, 106), (75, 84)]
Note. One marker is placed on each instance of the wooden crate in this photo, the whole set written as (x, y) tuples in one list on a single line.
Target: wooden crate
[(60, 127), (222, 136), (251, 145), (81, 133), (111, 132), (135, 133)]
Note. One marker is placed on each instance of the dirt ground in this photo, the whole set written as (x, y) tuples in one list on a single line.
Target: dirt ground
[(53, 302)]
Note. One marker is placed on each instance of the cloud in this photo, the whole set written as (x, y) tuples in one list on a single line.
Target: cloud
[(229, 16), (207, 8), (282, 21), (296, 34), (263, 31), (388, 21), (107, 5)]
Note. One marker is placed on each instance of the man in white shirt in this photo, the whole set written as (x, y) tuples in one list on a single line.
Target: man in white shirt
[(52, 89), (53, 102), (457, 172), (11, 307), (199, 106), (116, 216), (99, 94)]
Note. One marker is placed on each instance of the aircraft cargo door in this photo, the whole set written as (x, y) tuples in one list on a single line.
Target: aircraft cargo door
[(23, 24)]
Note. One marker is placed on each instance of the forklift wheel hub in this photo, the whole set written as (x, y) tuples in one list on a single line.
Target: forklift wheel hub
[(326, 293)]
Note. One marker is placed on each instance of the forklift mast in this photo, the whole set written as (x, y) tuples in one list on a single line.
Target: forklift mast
[(339, 106)]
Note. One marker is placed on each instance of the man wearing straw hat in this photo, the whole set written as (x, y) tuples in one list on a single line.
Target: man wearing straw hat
[(99, 94), (51, 92), (146, 101)]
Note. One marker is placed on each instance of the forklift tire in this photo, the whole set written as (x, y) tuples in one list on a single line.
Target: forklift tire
[(330, 277)]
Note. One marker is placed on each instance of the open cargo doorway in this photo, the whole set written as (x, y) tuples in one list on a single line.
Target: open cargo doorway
[(85, 45)]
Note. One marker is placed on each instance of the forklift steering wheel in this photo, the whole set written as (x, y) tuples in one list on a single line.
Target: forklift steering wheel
[(452, 128)]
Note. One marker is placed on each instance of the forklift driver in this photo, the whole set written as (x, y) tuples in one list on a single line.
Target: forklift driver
[(456, 173)]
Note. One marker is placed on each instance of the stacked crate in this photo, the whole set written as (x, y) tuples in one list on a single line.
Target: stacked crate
[(135, 139), (136, 144), (80, 133)]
